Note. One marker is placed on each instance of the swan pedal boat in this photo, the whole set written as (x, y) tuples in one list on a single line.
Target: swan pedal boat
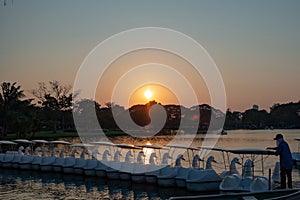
[(290, 194), (296, 155), (248, 182), (203, 180)]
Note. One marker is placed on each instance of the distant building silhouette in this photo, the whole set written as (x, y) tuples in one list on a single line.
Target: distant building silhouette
[(255, 107)]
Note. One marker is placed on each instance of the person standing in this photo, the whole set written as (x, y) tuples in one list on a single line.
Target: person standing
[(286, 160)]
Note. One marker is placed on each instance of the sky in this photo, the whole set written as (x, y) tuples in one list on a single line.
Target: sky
[(255, 44)]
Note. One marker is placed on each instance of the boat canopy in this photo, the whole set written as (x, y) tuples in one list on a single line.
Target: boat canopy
[(40, 141), (151, 146), (182, 147), (60, 142), (252, 151), (127, 146), (23, 141), (103, 143), (81, 145), (214, 148), (7, 142)]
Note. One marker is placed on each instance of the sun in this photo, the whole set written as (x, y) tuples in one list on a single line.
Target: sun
[(148, 94)]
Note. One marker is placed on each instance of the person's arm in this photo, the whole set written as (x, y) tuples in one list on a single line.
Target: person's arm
[(271, 152), (279, 149)]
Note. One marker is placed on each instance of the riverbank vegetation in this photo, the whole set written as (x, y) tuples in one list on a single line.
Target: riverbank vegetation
[(49, 114)]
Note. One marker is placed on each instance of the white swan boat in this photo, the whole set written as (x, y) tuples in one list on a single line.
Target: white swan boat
[(9, 157), (91, 164), (89, 168), (7, 160), (69, 163), (154, 163), (113, 167), (100, 170), (189, 151), (59, 161), (35, 164), (82, 161), (105, 147), (25, 163), (48, 161), (290, 194), (232, 168), (248, 182), (183, 173), (296, 155), (203, 179), (167, 175), (14, 163), (18, 157), (126, 167), (6, 147), (139, 168), (153, 169)]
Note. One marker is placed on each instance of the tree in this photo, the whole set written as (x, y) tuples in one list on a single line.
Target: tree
[(55, 96), (254, 119), (56, 101), (233, 120), (10, 94), (106, 117), (15, 113), (285, 115), (84, 110), (173, 116)]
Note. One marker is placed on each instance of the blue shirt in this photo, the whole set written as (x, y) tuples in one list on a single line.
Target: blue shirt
[(284, 152)]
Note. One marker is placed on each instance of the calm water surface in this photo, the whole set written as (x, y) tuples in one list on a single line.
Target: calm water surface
[(15, 184), (36, 185)]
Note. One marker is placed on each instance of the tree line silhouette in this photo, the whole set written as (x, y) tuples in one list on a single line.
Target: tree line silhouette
[(51, 111)]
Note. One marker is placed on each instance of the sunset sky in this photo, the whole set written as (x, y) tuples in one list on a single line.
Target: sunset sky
[(255, 44)]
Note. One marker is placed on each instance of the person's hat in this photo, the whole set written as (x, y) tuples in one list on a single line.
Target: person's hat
[(278, 136)]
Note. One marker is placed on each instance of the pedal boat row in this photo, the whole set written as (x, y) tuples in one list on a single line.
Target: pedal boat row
[(103, 160)]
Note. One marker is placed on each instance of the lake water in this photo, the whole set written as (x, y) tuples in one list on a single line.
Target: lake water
[(15, 184)]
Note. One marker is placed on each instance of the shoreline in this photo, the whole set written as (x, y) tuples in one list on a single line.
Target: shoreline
[(110, 134)]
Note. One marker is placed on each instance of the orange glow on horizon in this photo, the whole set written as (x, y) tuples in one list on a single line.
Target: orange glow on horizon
[(153, 92), (161, 91)]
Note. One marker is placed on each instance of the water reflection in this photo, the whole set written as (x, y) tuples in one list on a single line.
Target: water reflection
[(32, 185)]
